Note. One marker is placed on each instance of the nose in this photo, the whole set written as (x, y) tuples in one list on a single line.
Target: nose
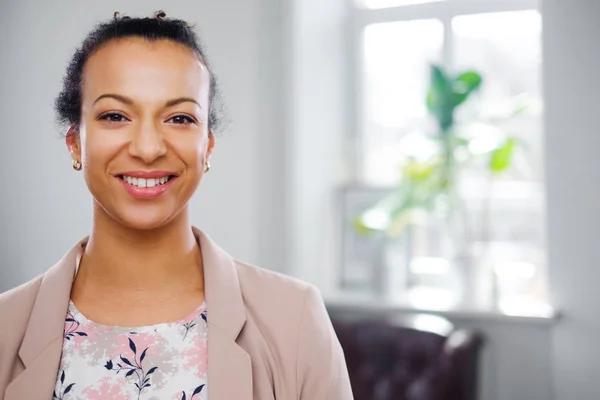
[(147, 143)]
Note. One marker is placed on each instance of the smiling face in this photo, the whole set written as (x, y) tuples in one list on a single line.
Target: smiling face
[(144, 137)]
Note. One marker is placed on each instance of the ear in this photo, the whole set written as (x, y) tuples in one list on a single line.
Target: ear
[(73, 142), (211, 143)]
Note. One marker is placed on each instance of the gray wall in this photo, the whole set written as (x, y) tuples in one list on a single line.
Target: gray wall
[(316, 125), (45, 206), (572, 54), (516, 363)]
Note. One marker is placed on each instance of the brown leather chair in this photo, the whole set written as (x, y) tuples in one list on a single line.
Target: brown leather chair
[(415, 357)]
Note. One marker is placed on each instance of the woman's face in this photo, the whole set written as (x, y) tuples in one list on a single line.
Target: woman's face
[(143, 138)]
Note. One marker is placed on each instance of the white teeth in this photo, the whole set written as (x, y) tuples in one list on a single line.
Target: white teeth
[(143, 183)]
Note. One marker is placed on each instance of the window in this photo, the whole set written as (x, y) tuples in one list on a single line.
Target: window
[(398, 43)]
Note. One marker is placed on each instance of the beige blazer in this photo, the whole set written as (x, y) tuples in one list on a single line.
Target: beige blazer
[(269, 336)]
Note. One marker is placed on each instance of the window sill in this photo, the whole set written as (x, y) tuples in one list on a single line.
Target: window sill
[(363, 303)]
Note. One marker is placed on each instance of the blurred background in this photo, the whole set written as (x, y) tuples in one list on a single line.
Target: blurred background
[(429, 165)]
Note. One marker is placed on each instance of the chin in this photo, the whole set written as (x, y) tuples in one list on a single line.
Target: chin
[(142, 224), (144, 218)]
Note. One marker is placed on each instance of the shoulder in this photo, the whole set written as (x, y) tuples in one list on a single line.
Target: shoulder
[(268, 282), (279, 300), (271, 291), (16, 305), (292, 315)]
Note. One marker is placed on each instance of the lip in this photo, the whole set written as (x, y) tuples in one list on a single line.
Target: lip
[(147, 174), (147, 193)]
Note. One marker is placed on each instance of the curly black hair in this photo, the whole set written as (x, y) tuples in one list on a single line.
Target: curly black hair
[(68, 103)]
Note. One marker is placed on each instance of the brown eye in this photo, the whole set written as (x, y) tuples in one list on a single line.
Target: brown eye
[(113, 117), (182, 119)]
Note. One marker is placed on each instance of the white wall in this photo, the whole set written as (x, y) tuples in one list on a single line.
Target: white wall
[(316, 121), (572, 68), (45, 206)]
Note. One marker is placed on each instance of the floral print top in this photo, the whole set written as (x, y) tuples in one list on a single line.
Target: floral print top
[(161, 362)]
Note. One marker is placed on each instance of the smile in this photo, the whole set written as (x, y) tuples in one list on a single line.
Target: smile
[(146, 182), (146, 185)]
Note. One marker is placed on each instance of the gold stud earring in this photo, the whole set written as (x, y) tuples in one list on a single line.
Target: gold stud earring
[(77, 165), (206, 166)]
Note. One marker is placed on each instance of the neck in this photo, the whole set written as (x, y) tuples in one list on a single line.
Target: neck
[(162, 260)]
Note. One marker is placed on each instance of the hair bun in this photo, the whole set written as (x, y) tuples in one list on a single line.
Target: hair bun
[(160, 14)]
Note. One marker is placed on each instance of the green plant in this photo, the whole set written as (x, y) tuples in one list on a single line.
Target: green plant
[(424, 183)]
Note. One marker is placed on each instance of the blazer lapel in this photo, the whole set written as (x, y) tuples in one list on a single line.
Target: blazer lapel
[(41, 349), (229, 366)]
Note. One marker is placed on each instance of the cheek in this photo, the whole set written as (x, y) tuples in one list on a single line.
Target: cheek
[(192, 151), (97, 149)]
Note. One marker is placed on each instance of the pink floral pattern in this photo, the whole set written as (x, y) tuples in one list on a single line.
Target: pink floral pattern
[(164, 361)]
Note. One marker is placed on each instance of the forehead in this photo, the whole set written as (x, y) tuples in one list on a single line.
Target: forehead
[(145, 71)]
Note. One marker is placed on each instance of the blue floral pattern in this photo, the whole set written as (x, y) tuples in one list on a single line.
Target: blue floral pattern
[(103, 362)]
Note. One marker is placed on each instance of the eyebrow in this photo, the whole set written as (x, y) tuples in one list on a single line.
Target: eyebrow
[(118, 97), (128, 101), (180, 100)]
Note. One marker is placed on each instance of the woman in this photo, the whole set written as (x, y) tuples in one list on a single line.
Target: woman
[(148, 307)]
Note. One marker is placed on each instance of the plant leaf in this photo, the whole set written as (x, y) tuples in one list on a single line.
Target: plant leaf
[(62, 377), (468, 81), (183, 397), (130, 373), (81, 333), (439, 79), (360, 227), (151, 370), (439, 98), (502, 156), (431, 100), (465, 84), (520, 109), (417, 171)]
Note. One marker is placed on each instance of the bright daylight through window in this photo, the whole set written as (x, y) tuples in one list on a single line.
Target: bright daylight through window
[(449, 208)]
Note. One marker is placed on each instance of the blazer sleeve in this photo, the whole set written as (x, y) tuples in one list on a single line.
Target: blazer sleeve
[(321, 371)]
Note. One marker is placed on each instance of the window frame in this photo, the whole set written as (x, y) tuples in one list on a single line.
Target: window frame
[(442, 10)]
